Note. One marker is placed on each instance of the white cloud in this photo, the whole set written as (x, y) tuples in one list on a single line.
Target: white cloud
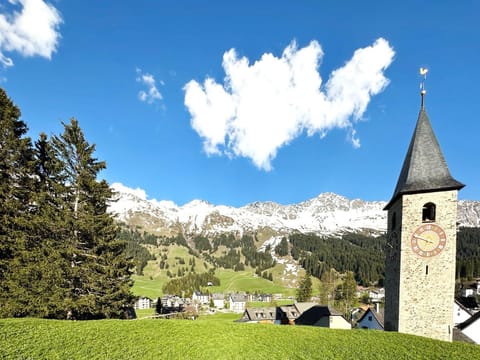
[(263, 106), (31, 31), (151, 94)]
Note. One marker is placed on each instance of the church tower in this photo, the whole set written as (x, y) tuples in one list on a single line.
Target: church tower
[(421, 240)]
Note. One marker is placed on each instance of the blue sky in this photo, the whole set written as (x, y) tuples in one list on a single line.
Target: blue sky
[(234, 102)]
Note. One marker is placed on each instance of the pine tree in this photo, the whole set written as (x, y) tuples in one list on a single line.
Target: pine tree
[(16, 161), (304, 291), (99, 273), (282, 248), (348, 291), (49, 227), (328, 286)]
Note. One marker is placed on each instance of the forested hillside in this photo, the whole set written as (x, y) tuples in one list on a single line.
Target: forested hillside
[(60, 256), (365, 255), (362, 255), (468, 253)]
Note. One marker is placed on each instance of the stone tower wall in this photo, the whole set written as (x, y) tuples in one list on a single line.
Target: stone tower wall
[(425, 297), (392, 268)]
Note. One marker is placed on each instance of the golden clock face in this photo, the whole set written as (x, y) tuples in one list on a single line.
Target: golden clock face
[(428, 240)]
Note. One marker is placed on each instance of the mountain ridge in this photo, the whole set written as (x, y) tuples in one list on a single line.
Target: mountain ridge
[(326, 214)]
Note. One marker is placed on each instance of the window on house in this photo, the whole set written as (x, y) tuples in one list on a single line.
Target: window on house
[(370, 318), (428, 212)]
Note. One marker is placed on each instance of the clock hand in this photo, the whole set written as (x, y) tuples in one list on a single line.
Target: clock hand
[(424, 239)]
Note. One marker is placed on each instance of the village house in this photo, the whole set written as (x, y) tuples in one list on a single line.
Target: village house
[(259, 298), (460, 313), (173, 303), (468, 292), (371, 319), (237, 302), (143, 303), (376, 295), (292, 312), (302, 313), (200, 298), (218, 300)]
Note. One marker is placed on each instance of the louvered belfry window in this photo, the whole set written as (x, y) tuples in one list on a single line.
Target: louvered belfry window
[(428, 212)]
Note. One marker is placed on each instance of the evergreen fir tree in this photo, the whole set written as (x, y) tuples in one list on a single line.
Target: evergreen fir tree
[(99, 273), (49, 226), (16, 161), (304, 291)]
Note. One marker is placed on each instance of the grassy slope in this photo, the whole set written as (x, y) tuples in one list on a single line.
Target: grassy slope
[(211, 338), (230, 281), (151, 283)]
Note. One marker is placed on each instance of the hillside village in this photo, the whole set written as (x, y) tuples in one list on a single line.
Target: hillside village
[(368, 316)]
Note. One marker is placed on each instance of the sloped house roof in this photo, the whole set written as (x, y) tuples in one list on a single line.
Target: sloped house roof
[(218, 296), (263, 314), (323, 316), (371, 320), (238, 297), (471, 328)]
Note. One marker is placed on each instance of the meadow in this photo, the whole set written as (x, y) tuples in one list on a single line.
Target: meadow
[(211, 337), (152, 280)]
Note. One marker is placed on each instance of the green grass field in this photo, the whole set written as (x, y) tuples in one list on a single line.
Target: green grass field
[(211, 337)]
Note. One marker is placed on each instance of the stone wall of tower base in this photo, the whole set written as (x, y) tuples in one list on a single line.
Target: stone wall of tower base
[(425, 284)]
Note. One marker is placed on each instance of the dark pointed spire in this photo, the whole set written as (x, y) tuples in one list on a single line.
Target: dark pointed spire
[(424, 168)]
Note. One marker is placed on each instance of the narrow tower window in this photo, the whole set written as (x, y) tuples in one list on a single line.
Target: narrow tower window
[(428, 212), (394, 220), (426, 270)]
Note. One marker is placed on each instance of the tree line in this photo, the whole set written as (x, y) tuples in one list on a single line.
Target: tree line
[(363, 255), (468, 253), (135, 249), (186, 285), (60, 256)]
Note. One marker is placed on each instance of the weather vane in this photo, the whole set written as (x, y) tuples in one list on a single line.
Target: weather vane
[(423, 72)]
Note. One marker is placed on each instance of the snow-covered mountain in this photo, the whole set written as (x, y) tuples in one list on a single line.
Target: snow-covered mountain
[(328, 213)]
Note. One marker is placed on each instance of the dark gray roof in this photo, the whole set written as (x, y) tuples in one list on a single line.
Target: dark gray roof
[(263, 313), (469, 321), (238, 297), (424, 168), (315, 313)]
